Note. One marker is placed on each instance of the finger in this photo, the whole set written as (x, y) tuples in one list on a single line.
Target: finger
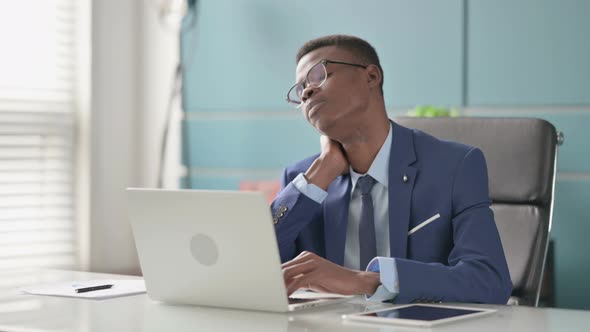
[(304, 280), (297, 282), (302, 257), (295, 270)]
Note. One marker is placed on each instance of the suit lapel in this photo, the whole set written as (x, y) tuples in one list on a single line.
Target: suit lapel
[(336, 218), (402, 155)]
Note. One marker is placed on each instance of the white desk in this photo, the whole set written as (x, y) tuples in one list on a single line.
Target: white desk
[(20, 312)]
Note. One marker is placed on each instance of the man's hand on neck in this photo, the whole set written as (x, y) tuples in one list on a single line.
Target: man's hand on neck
[(335, 158), (329, 165)]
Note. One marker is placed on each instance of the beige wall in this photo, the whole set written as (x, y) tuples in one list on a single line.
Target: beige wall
[(132, 64)]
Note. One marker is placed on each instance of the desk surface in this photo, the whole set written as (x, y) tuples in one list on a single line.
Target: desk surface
[(20, 312)]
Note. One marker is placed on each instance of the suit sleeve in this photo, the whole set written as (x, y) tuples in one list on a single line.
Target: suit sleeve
[(292, 211), (477, 269)]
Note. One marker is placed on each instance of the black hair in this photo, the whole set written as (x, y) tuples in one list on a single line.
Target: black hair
[(360, 48)]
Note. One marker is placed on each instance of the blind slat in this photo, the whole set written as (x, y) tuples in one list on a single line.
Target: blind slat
[(36, 204), (63, 130), (51, 260), (41, 213), (35, 224), (41, 153), (33, 165), (10, 251), (24, 144), (32, 237), (35, 201), (34, 140), (8, 106), (39, 176), (49, 95), (26, 188)]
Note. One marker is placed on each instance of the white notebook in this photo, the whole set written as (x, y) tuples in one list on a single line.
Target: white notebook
[(68, 289)]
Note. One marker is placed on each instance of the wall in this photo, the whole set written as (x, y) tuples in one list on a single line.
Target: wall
[(133, 60), (490, 58), (239, 63), (114, 156)]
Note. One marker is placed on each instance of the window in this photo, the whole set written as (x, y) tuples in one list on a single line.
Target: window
[(38, 73)]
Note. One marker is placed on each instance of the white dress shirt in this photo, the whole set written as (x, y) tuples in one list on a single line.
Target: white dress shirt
[(379, 170)]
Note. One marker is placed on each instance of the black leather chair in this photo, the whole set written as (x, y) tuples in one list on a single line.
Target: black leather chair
[(521, 155)]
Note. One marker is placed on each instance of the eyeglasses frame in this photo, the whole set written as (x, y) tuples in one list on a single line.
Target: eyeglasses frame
[(303, 83)]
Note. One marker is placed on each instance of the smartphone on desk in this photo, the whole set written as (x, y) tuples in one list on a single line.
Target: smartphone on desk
[(418, 315)]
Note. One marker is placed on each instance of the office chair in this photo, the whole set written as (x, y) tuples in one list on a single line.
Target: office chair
[(521, 155)]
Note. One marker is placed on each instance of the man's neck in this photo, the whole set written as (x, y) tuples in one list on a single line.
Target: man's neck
[(362, 148)]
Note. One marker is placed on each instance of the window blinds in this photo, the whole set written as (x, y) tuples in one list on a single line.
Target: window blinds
[(37, 134)]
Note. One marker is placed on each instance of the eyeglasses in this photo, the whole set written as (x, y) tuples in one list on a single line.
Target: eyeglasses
[(316, 76)]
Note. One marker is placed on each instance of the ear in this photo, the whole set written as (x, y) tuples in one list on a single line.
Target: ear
[(374, 76)]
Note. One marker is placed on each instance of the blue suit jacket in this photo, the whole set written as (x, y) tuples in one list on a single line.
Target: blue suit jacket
[(458, 257)]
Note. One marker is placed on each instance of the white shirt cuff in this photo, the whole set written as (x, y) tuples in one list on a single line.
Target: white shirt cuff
[(389, 287), (309, 189)]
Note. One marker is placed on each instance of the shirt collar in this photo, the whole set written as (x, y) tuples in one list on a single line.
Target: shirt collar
[(379, 169)]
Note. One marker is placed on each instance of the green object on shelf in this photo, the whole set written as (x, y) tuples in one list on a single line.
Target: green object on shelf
[(429, 111)]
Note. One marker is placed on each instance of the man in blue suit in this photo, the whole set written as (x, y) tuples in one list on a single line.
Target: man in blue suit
[(383, 210)]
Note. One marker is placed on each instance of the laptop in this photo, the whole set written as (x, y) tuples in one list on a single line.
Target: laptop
[(212, 248)]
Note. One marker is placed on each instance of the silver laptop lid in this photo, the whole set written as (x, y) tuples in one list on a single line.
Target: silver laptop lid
[(214, 248)]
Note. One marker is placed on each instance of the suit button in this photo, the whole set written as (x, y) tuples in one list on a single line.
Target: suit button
[(283, 209), (275, 220), (280, 215)]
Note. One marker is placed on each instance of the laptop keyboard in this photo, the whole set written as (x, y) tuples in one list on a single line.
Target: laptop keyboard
[(297, 301)]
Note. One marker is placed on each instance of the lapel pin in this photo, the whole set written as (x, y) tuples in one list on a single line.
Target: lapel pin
[(405, 178)]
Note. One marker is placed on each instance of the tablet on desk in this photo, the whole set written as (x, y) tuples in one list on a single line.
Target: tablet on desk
[(423, 315)]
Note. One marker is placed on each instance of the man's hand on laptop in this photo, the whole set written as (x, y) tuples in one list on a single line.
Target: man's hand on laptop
[(311, 271)]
